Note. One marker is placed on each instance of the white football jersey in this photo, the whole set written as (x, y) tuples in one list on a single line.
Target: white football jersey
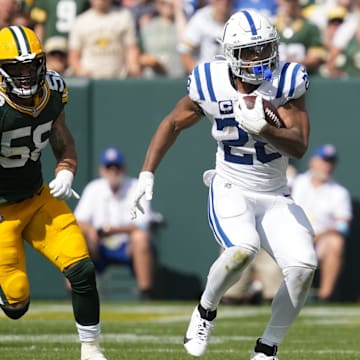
[(244, 159)]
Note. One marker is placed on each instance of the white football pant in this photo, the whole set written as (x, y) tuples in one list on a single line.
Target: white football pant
[(242, 222)]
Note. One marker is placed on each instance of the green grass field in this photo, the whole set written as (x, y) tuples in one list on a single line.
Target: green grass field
[(154, 331)]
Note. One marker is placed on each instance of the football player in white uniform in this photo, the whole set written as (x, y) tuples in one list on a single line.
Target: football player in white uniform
[(249, 204)]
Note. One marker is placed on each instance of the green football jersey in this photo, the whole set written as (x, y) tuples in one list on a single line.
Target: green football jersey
[(57, 15), (296, 40), (25, 131)]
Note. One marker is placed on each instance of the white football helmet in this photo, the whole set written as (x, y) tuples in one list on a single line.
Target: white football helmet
[(250, 45)]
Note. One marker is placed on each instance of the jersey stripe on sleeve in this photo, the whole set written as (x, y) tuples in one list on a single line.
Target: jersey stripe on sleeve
[(209, 82), (293, 79), (198, 83), (282, 80)]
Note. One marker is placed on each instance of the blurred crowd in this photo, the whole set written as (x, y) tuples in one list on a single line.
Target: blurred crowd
[(153, 38)]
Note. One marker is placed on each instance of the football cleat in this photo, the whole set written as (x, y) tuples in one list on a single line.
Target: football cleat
[(198, 334), (262, 356), (264, 352), (91, 351)]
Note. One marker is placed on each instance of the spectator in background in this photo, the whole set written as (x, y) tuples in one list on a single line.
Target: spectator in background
[(54, 17), (141, 10), (319, 12), (351, 55), (328, 206), (335, 18), (200, 41), (159, 38), (191, 6), (345, 41), (103, 43), (103, 213), (56, 55), (300, 40), (8, 9), (22, 18)]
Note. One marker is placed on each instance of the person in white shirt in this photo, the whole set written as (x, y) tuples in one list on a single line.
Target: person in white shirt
[(328, 206), (104, 217), (200, 41)]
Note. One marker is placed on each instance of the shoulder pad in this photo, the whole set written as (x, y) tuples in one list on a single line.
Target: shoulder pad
[(200, 85), (57, 83), (293, 81)]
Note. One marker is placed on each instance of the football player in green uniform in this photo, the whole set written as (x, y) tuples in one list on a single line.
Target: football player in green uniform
[(32, 115)]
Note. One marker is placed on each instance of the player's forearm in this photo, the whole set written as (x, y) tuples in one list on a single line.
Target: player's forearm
[(289, 141), (162, 140), (63, 146)]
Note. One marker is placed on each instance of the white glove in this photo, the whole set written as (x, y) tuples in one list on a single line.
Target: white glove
[(144, 187), (251, 120), (60, 187)]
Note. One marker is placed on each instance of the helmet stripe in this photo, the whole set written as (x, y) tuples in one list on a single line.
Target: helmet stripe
[(250, 21), (21, 40)]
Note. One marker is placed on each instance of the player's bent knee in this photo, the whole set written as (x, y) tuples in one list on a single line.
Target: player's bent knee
[(15, 289), (15, 311), (238, 258), (301, 273), (299, 280), (82, 276)]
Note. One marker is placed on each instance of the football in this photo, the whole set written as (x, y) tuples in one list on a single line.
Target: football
[(271, 114)]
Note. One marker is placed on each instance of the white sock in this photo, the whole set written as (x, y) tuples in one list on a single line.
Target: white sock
[(88, 333)]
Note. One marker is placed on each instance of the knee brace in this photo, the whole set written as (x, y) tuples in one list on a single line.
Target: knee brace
[(82, 277), (85, 298), (15, 312), (15, 288)]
